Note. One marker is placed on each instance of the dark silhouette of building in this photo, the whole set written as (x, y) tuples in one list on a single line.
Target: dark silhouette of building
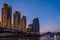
[(30, 28), (6, 16), (16, 20), (35, 25)]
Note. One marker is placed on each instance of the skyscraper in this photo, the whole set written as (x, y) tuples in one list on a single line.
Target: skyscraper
[(6, 16), (35, 25), (0, 23), (23, 24), (16, 20)]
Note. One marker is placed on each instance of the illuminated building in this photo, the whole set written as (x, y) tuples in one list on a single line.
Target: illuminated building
[(23, 24), (12, 26), (16, 20), (0, 24), (6, 16)]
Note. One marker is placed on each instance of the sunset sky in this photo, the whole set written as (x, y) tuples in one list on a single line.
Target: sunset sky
[(48, 12)]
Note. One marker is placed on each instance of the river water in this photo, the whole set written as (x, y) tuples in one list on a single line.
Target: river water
[(40, 38), (25, 38), (50, 38)]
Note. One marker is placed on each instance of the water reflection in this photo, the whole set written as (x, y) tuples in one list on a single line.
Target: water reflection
[(32, 38), (25, 38), (50, 38), (46, 38)]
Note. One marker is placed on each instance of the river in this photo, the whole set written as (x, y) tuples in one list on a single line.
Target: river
[(40, 38), (50, 38)]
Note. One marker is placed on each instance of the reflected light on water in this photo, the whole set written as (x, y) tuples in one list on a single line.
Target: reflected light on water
[(54, 37)]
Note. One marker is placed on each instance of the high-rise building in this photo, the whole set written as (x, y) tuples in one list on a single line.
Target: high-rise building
[(30, 28), (23, 24), (16, 20), (6, 16), (35, 25), (12, 26), (0, 24)]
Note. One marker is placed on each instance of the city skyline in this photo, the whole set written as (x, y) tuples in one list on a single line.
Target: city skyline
[(19, 23), (48, 12)]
